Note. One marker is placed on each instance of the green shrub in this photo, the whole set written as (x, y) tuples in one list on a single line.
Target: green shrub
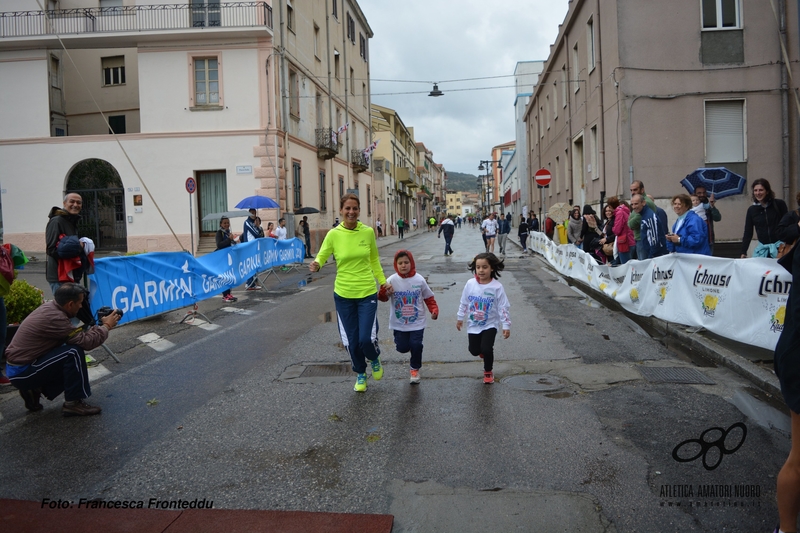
[(21, 301)]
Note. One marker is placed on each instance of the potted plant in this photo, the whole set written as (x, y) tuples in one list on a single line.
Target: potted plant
[(22, 299)]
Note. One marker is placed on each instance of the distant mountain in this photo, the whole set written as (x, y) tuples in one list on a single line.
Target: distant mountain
[(458, 181)]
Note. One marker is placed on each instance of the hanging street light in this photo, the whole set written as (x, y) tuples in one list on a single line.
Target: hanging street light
[(435, 91)]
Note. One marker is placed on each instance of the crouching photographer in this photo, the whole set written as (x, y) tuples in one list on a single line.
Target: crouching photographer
[(46, 356)]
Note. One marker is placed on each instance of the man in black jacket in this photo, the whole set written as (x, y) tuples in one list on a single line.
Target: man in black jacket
[(62, 222), (448, 228)]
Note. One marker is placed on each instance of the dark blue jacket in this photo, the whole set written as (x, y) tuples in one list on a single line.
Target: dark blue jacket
[(69, 246), (249, 231), (447, 227), (504, 226), (653, 235)]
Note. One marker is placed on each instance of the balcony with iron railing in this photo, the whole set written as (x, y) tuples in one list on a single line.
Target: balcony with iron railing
[(407, 176), (359, 160), (327, 143), (138, 22)]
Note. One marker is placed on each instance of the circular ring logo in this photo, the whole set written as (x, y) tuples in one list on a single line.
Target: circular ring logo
[(706, 445)]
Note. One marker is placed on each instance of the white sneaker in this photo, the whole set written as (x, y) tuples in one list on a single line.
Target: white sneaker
[(414, 376)]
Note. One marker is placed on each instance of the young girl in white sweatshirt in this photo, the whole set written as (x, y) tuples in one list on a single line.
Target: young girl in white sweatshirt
[(485, 305)]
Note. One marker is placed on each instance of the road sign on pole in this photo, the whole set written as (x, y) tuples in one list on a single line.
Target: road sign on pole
[(191, 186), (542, 177)]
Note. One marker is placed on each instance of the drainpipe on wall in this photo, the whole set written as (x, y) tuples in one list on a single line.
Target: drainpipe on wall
[(347, 106), (284, 75), (272, 123), (601, 140), (328, 52), (570, 94), (784, 104), (539, 160)]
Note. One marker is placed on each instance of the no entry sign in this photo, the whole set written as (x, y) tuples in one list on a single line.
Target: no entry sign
[(542, 177)]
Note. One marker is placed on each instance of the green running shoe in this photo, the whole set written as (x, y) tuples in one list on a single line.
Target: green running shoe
[(377, 369), (361, 383)]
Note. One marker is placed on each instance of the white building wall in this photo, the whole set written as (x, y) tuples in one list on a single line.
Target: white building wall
[(525, 79), (25, 81), (165, 107), (164, 164)]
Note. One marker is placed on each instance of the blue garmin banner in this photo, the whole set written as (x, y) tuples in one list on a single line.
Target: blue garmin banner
[(154, 283)]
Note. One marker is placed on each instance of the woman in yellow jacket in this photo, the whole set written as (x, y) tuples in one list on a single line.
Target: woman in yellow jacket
[(355, 292)]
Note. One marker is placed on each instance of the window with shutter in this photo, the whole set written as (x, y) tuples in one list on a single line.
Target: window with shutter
[(725, 134)]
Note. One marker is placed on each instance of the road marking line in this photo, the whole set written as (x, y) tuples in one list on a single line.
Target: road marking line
[(237, 311), (150, 337), (202, 324), (97, 372), (306, 289), (154, 341)]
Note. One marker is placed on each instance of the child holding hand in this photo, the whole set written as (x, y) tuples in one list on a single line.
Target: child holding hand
[(407, 317), (485, 305)]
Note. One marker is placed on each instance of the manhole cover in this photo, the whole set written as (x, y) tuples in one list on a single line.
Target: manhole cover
[(327, 371), (534, 382), (655, 374)]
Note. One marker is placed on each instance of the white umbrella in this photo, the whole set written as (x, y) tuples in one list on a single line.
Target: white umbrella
[(559, 212)]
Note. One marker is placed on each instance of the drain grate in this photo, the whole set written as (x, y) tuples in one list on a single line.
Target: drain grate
[(655, 374), (327, 371)]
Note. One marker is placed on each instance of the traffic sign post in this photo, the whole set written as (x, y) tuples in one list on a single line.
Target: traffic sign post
[(542, 178), (191, 186)]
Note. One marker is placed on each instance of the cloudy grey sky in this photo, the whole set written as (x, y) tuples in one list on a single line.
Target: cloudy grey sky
[(438, 40)]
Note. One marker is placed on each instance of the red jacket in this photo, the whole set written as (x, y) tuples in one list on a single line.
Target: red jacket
[(624, 234)]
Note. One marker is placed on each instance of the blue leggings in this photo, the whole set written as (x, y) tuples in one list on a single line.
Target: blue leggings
[(358, 327)]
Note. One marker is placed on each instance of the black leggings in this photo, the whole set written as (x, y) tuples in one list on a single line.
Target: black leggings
[(483, 343)]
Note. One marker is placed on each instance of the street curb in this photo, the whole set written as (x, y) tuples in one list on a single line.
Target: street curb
[(707, 348)]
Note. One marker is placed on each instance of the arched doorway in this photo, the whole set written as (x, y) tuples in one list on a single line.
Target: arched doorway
[(103, 212)]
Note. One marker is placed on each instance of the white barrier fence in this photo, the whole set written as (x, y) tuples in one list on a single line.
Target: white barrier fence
[(740, 299)]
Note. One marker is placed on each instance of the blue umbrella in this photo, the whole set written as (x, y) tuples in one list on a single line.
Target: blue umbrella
[(257, 202), (719, 181)]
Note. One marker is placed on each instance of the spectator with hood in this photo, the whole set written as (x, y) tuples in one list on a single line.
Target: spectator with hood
[(407, 316), (591, 233), (624, 234)]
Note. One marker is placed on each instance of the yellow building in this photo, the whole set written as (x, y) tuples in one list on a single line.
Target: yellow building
[(397, 181), (453, 204)]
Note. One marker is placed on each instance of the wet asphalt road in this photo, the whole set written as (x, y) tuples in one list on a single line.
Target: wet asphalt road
[(222, 415)]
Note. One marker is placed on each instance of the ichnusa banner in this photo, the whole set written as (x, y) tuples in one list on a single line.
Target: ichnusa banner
[(154, 283), (740, 299)]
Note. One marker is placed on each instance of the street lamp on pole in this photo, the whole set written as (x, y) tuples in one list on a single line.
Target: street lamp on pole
[(488, 166), (482, 193)]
